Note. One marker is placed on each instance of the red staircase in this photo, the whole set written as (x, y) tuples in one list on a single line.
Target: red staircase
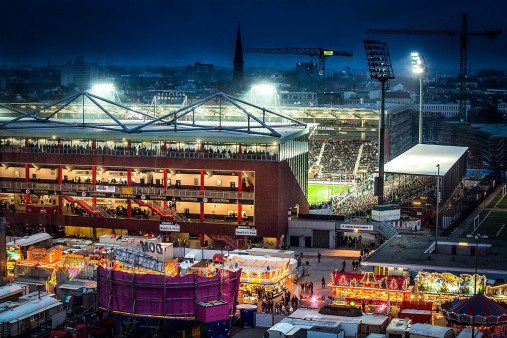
[(173, 216), (90, 209), (231, 242)]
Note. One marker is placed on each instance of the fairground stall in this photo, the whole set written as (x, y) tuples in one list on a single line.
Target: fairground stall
[(443, 287), (261, 275), (375, 292), (133, 283), (17, 249)]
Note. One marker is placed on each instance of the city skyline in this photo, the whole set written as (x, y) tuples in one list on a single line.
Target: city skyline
[(179, 33)]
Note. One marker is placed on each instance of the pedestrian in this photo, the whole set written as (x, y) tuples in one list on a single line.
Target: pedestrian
[(359, 260), (360, 238), (311, 288), (301, 255), (344, 265), (362, 253), (323, 283), (318, 256)]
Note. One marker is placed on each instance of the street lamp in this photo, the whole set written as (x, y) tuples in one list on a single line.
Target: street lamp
[(419, 68), (379, 65), (475, 275)]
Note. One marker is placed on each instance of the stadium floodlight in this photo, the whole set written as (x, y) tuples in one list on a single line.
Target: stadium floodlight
[(419, 68), (264, 89), (102, 88), (379, 65), (265, 93)]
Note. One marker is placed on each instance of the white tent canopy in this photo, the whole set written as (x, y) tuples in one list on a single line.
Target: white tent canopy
[(422, 159)]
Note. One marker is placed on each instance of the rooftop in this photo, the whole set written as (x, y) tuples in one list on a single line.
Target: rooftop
[(85, 115), (422, 159), (416, 253), (29, 240), (498, 130)]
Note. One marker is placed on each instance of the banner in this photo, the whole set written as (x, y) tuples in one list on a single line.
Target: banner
[(169, 226), (104, 188), (246, 231), (356, 227)]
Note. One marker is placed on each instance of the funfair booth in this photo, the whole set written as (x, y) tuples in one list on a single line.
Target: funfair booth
[(261, 275), (133, 283), (375, 291)]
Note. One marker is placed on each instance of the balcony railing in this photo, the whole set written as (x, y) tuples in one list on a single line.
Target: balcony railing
[(206, 154), (152, 191)]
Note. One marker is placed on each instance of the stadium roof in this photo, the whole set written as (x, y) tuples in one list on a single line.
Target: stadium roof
[(97, 117), (422, 159)]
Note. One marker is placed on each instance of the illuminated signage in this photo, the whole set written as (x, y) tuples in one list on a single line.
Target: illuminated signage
[(328, 52)]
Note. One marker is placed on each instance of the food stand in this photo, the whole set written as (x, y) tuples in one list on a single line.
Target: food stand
[(261, 275), (353, 289)]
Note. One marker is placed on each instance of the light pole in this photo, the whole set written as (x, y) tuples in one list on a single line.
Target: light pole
[(419, 67), (438, 204), (475, 275), (379, 65)]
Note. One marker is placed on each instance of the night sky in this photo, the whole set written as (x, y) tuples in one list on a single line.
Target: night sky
[(184, 31)]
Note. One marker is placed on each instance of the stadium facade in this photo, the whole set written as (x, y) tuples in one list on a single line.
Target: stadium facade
[(219, 169)]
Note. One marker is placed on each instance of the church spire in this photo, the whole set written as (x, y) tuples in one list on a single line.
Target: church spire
[(238, 60)]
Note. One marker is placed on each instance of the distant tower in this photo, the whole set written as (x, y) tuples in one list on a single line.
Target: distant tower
[(238, 60)]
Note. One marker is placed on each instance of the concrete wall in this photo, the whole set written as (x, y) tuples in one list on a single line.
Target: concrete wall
[(304, 228)]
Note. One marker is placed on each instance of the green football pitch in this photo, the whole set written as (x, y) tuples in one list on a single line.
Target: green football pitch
[(321, 192)]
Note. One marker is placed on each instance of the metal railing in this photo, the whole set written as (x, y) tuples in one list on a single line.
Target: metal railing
[(138, 153), (152, 191)]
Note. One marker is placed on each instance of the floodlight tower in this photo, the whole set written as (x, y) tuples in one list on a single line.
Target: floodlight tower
[(379, 64), (419, 68)]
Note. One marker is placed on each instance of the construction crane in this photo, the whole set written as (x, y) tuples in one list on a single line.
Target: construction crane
[(320, 52), (463, 34)]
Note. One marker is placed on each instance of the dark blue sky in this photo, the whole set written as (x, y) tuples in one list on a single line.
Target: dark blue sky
[(179, 32)]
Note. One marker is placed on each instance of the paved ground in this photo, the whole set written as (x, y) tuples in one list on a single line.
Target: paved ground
[(334, 253)]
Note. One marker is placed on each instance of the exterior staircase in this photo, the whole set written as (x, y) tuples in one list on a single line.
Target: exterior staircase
[(231, 242)]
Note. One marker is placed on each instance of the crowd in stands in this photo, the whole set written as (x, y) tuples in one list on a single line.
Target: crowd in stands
[(314, 146), (143, 151), (340, 155), (395, 191), (369, 156)]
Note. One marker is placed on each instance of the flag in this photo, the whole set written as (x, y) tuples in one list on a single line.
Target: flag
[(152, 236), (140, 233), (125, 239), (113, 236), (131, 241), (159, 235), (118, 238), (146, 235)]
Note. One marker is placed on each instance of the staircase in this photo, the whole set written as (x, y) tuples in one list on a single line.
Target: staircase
[(387, 230), (225, 239), (358, 160), (90, 209), (176, 215), (321, 153), (157, 210)]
